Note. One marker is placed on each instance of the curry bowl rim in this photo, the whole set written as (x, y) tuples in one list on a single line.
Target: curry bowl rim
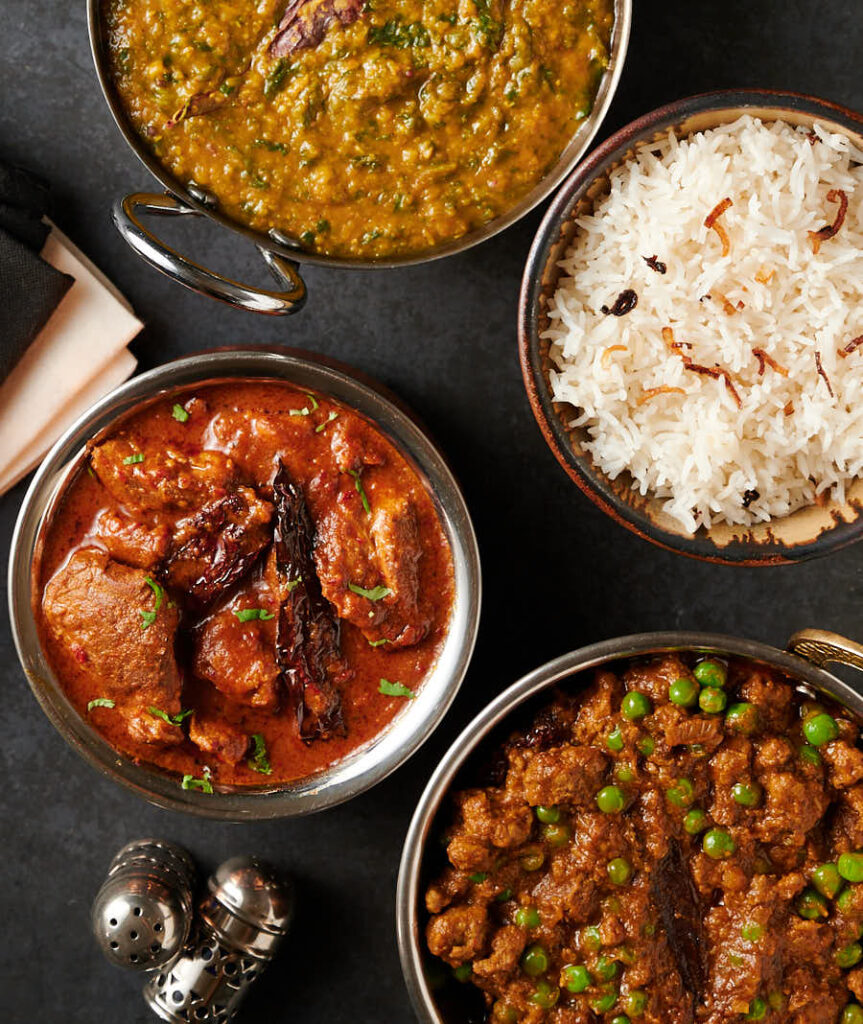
[(544, 678), (363, 767), (540, 262)]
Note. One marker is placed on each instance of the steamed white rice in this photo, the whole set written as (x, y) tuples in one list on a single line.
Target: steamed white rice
[(698, 451)]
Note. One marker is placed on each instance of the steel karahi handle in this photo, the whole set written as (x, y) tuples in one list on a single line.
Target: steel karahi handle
[(822, 647), (158, 254)]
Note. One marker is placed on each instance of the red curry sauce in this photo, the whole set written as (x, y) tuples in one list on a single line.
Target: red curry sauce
[(180, 499)]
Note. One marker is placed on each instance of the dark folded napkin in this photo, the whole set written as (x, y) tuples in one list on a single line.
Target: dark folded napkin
[(30, 289)]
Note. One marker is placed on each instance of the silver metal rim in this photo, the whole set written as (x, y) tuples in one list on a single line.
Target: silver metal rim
[(548, 675), (408, 730), (568, 160)]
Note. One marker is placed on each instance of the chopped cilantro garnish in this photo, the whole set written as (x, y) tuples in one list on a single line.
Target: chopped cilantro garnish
[(389, 689), (204, 785), (278, 77), (305, 411), (133, 460), (361, 490), (170, 719), (259, 762), (148, 618), (332, 416), (313, 400), (250, 614), (101, 702), (478, 877), (378, 643), (322, 227), (294, 583), (400, 34), (225, 89), (375, 594), (179, 414)]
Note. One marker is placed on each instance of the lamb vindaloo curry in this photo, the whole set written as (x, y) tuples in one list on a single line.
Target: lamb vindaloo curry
[(247, 580), (362, 128), (680, 842)]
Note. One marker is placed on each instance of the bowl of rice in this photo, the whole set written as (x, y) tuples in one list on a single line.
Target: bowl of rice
[(691, 327)]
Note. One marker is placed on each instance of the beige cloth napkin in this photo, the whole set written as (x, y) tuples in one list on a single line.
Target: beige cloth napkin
[(79, 357)]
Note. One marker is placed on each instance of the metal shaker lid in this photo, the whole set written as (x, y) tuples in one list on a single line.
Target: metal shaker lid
[(255, 892)]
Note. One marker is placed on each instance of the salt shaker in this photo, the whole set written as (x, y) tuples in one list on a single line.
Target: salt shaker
[(240, 924), (142, 914)]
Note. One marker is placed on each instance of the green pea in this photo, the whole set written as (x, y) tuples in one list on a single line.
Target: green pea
[(712, 700), (624, 773), (649, 930), (827, 880), (695, 821), (646, 745), (757, 1009), (556, 835), (683, 692), (711, 673), (849, 955), (850, 866), (845, 901), (809, 754), (636, 1003), (681, 794), (576, 978), (591, 939), (534, 960), (532, 858), (548, 815), (614, 740), (752, 931), (545, 995), (606, 969), (503, 1013), (742, 718), (463, 972), (621, 1018), (626, 955), (619, 870), (478, 877), (718, 844), (852, 1014), (820, 729), (747, 794), (811, 905), (610, 800), (527, 917), (603, 1002), (776, 1001), (635, 705)]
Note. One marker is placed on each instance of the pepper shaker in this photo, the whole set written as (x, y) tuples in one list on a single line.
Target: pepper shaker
[(240, 924), (142, 913)]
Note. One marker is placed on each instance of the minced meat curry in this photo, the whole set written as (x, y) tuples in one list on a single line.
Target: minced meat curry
[(247, 583), (683, 842), (361, 128)]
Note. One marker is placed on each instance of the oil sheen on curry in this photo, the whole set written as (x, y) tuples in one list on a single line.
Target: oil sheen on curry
[(681, 841), (243, 584), (362, 128)]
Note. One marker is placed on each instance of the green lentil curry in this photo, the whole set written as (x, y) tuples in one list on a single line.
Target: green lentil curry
[(398, 127)]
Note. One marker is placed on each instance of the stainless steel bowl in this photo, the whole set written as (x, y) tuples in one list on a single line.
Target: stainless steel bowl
[(281, 252), (365, 766), (808, 652)]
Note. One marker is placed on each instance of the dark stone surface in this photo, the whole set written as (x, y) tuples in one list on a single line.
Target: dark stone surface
[(557, 573)]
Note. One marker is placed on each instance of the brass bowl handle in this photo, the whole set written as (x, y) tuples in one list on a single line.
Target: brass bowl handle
[(206, 282), (822, 647)]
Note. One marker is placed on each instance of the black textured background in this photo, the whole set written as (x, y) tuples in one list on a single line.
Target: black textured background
[(557, 574)]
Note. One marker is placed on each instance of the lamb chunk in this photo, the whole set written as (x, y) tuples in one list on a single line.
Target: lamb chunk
[(469, 854), (654, 677), (449, 887), (773, 752), (354, 447), (131, 541), (773, 698), (103, 612), (601, 701), (500, 822), (218, 737), (681, 729), (814, 996), (357, 549), (792, 806), (506, 947), (214, 548), (458, 934), (845, 763), (164, 480), (305, 22), (727, 767), (854, 981), (565, 774)]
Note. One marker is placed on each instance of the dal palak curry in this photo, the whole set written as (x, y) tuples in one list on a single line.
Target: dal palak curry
[(362, 128)]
